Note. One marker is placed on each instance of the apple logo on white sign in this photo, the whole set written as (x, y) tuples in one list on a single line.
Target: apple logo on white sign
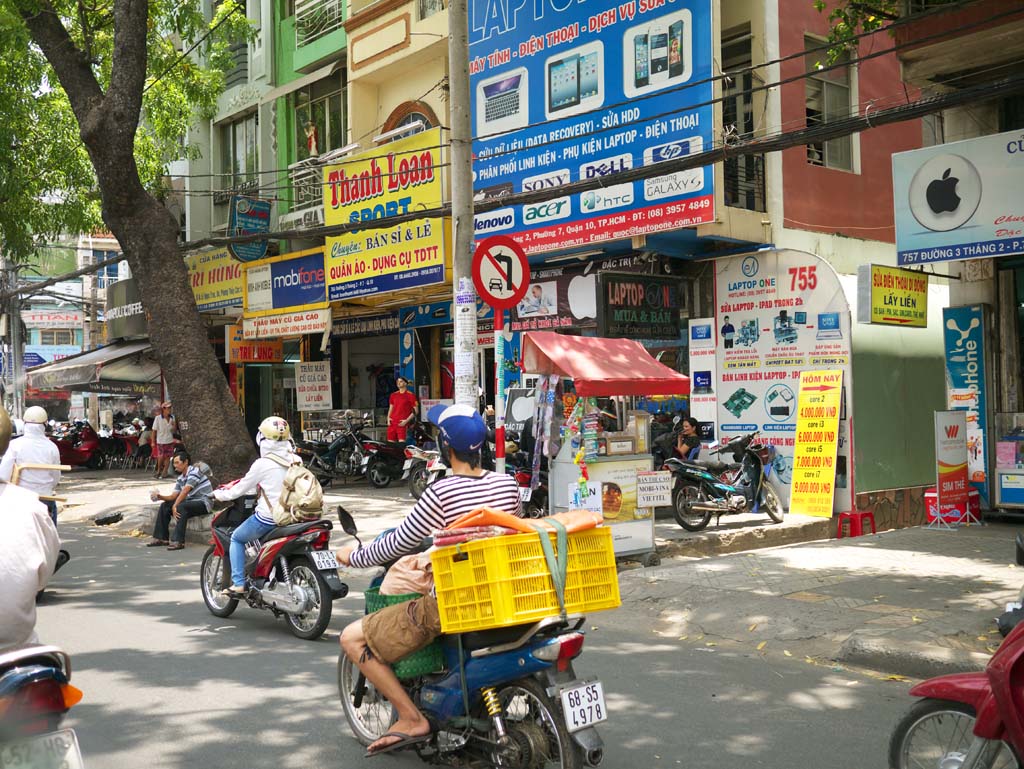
[(522, 408), (582, 295), (945, 193)]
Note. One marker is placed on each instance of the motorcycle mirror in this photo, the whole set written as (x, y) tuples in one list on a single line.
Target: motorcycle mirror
[(348, 523), (677, 419)]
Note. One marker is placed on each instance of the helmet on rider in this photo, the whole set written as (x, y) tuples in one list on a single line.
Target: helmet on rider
[(461, 427), (275, 429), (36, 415)]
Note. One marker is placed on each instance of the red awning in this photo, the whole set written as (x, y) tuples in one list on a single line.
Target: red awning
[(601, 367)]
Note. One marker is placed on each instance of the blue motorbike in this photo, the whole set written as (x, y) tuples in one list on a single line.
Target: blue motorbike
[(703, 488), (500, 698)]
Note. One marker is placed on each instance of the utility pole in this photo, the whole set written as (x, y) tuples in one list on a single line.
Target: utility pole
[(467, 380), (15, 347)]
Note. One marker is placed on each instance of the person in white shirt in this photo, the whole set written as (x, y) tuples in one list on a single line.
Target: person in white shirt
[(164, 426), (34, 448), (29, 546)]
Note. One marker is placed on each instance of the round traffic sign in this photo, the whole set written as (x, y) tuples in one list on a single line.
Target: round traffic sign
[(501, 272)]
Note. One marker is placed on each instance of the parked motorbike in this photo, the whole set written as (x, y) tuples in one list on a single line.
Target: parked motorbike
[(80, 445), (527, 708), (384, 462), (342, 454), (534, 502), (699, 490), (422, 467), (35, 693), (290, 571)]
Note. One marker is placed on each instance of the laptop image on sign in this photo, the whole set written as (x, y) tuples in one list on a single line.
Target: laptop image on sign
[(828, 326), (502, 103)]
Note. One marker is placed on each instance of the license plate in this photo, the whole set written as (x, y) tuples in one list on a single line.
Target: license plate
[(366, 460), (325, 559), (56, 750), (407, 465), (584, 706), (525, 494)]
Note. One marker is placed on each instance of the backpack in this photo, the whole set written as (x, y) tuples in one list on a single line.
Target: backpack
[(302, 498)]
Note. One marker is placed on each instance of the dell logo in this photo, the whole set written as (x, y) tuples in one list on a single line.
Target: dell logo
[(502, 219), (606, 167)]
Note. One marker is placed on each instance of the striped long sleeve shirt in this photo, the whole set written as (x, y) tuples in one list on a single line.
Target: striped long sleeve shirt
[(440, 505)]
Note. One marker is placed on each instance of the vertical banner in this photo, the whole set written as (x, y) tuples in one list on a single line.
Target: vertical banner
[(313, 386), (951, 466), (966, 386), (817, 443), (248, 216), (703, 374)]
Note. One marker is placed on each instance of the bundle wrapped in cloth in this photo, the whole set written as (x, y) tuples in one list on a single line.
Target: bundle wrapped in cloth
[(573, 520), (453, 536)]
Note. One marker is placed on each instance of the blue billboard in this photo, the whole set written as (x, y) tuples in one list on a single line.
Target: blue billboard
[(967, 385), (286, 283), (248, 216), (564, 91)]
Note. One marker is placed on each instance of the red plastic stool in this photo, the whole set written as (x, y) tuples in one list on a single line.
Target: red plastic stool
[(856, 523)]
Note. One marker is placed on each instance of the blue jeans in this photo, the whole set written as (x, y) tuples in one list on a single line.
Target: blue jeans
[(251, 528), (51, 507)]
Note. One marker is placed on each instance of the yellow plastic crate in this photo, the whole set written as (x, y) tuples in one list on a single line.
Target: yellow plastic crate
[(503, 581)]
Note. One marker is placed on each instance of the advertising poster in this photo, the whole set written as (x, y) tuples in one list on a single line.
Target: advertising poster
[(248, 216), (564, 92), (703, 376), (217, 279), (397, 178), (959, 200), (238, 349), (817, 443), (365, 325), (287, 282), (286, 324), (966, 385), (951, 465), (892, 297), (313, 386), (47, 318), (778, 314), (44, 353), (639, 306), (632, 526)]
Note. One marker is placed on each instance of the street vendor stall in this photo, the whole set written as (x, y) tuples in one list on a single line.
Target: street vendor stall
[(605, 470)]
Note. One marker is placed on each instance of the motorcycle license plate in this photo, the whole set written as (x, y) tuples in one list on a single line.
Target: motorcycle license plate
[(325, 560), (525, 494), (407, 465), (366, 460), (56, 750), (584, 706)]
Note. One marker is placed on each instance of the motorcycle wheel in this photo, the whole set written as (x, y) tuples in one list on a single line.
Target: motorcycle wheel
[(312, 623), (371, 720), (95, 461), (939, 733), (418, 482), (537, 724), (537, 507), (682, 507), (771, 504), (377, 472), (210, 582)]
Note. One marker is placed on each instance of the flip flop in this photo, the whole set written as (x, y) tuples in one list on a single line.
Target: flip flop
[(233, 592), (405, 742), (157, 543), (176, 546)]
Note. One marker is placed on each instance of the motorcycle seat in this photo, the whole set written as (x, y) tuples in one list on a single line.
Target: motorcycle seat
[(713, 465), (481, 639), (297, 528)]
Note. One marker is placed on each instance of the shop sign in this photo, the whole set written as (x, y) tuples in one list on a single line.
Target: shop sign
[(287, 282), (967, 384), (817, 443), (437, 314), (287, 324), (50, 352), (426, 404), (397, 178), (520, 403), (891, 296), (778, 314), (216, 278), (47, 318), (238, 349), (125, 316), (653, 488), (130, 389), (638, 307), (632, 525), (248, 216), (952, 486), (313, 386), (564, 92), (484, 335), (365, 325), (703, 375), (959, 200)]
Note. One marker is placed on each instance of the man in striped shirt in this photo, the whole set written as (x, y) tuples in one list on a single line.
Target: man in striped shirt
[(386, 636), (191, 497)]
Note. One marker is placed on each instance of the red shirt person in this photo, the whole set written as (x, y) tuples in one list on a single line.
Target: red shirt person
[(401, 411)]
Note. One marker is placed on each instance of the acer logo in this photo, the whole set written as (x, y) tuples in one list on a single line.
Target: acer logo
[(952, 431), (543, 212)]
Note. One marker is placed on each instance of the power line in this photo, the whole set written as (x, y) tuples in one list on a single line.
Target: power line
[(237, 7)]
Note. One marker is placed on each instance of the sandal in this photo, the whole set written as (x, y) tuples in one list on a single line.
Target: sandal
[(233, 592), (157, 543), (176, 546)]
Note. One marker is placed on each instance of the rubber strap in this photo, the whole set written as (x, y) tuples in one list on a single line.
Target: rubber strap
[(462, 677), (558, 564)]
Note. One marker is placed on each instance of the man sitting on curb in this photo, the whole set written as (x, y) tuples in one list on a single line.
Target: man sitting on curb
[(191, 497)]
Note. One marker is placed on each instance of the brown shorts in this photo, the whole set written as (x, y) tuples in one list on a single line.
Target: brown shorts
[(397, 631)]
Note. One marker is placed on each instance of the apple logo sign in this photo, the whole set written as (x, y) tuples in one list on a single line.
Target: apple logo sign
[(582, 296), (945, 193)]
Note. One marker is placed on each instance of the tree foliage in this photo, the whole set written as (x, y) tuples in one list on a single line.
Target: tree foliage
[(849, 18)]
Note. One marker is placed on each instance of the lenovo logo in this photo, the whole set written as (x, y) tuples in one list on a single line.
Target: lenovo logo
[(502, 219)]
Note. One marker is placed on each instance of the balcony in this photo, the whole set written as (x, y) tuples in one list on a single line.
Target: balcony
[(315, 19), (307, 182), (250, 187), (428, 8)]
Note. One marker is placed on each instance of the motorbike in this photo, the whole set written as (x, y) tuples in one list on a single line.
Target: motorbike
[(517, 702), (422, 467), (342, 454), (290, 571), (704, 488), (384, 462), (80, 446), (35, 693), (534, 501)]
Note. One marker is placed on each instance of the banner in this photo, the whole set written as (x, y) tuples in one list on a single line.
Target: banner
[(293, 282), (563, 92), (216, 278), (703, 376), (313, 386), (639, 306), (892, 297), (951, 465), (393, 179), (238, 349), (46, 318), (365, 325), (817, 442), (287, 324), (248, 216), (967, 385)]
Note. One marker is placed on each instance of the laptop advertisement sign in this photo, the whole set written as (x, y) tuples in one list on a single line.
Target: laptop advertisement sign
[(585, 93)]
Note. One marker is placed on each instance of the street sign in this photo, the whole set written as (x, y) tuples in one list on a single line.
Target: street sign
[(500, 272)]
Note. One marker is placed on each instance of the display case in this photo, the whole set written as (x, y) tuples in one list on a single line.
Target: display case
[(1009, 459)]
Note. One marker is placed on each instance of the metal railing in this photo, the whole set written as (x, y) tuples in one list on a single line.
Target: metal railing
[(307, 180), (316, 18), (913, 7), (430, 7)]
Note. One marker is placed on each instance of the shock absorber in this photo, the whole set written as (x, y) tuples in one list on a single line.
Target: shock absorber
[(493, 706), (286, 575)]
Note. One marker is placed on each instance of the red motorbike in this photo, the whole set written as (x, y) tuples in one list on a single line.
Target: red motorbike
[(291, 571), (80, 446)]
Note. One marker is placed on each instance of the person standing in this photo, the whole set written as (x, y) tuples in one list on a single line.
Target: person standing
[(728, 333), (34, 448), (164, 427), (190, 498), (401, 411)]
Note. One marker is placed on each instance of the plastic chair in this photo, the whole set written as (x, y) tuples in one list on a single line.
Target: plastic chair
[(855, 521)]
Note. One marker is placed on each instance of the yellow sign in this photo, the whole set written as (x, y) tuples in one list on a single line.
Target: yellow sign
[(393, 179), (817, 441), (897, 297), (216, 279), (238, 349)]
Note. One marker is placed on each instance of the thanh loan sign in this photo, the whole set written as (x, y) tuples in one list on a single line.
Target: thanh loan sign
[(570, 91)]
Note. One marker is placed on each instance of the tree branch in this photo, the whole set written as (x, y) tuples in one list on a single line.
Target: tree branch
[(128, 72)]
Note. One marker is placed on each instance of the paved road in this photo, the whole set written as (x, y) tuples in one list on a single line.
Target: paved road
[(169, 686)]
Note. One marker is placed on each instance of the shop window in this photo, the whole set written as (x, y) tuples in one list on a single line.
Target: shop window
[(106, 275), (239, 154), (320, 118), (829, 97), (55, 336), (744, 177)]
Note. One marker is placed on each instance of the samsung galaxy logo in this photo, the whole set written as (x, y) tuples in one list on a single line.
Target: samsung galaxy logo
[(609, 197), (674, 185), (502, 219), (547, 181), (547, 211), (606, 167)]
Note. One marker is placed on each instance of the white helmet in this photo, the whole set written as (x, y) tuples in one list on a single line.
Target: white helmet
[(36, 415), (275, 429)]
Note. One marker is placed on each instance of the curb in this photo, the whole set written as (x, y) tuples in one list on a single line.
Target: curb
[(734, 541), (908, 658)]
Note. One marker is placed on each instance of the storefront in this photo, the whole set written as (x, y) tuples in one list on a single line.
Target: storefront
[(365, 360)]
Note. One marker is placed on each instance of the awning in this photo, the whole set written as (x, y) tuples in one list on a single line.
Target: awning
[(124, 367), (302, 82), (601, 367)]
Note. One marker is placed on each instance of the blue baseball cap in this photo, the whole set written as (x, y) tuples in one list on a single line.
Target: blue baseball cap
[(462, 427)]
